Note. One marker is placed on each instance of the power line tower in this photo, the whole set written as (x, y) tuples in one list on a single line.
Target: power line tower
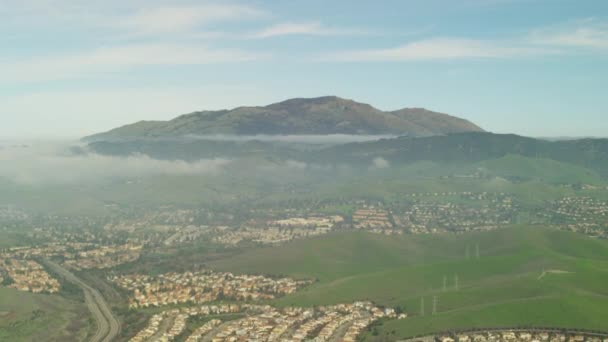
[(435, 302), (422, 306)]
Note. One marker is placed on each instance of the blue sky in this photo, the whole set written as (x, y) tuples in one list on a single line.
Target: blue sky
[(69, 68)]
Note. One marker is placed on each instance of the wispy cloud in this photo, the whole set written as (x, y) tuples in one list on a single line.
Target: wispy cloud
[(304, 28), (131, 17), (159, 20), (438, 49), (300, 139), (491, 3), (578, 37), (117, 59), (48, 162), (380, 163), (588, 33)]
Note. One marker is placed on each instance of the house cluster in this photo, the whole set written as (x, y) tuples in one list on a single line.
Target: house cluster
[(201, 287), (10, 213), (449, 217), (493, 196), (65, 250), (582, 215), (104, 257), (159, 217), (522, 336), (371, 218), (175, 325), (28, 275), (160, 328), (81, 255), (482, 212), (266, 236), (247, 322), (277, 231), (185, 234), (203, 330), (327, 222)]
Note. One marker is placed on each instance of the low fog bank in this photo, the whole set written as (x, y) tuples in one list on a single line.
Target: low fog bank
[(329, 139), (39, 163), (55, 162)]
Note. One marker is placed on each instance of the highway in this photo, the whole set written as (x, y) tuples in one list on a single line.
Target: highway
[(108, 326)]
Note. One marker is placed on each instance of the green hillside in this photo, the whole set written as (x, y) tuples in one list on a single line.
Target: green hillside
[(36, 317), (473, 147), (544, 170), (504, 287), (509, 155)]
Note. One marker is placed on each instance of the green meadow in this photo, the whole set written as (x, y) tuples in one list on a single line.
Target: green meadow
[(37, 317), (521, 276)]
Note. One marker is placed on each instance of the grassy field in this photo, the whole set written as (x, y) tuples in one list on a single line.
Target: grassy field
[(503, 287), (11, 239), (34, 317), (546, 170)]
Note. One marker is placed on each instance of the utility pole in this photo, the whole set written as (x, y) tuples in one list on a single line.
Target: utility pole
[(456, 282), (477, 251), (422, 306), (435, 301), (445, 283), (467, 253)]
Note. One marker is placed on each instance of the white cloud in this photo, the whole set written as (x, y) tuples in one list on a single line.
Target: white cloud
[(569, 38), (294, 164), (305, 28), (183, 19), (586, 34), (48, 162), (133, 16), (325, 139), (438, 49), (116, 59), (380, 163)]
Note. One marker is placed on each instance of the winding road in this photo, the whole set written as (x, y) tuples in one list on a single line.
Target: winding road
[(108, 326)]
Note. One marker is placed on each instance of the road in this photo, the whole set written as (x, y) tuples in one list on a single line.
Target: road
[(108, 326)]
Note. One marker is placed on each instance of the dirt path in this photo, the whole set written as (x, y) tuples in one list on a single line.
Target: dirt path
[(500, 302), (542, 275)]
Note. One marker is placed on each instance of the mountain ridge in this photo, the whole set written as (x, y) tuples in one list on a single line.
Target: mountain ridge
[(320, 115)]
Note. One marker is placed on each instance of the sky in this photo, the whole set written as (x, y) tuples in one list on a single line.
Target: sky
[(70, 68)]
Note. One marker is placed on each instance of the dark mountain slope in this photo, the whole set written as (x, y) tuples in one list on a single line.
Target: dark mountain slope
[(323, 115)]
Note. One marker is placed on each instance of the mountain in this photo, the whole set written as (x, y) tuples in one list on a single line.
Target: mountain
[(323, 115)]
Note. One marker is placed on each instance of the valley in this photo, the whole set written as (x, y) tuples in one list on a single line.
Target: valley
[(468, 235)]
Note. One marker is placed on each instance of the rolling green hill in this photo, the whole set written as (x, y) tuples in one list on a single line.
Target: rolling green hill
[(544, 170), (323, 115), (37, 317), (472, 147), (525, 276), (513, 155)]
